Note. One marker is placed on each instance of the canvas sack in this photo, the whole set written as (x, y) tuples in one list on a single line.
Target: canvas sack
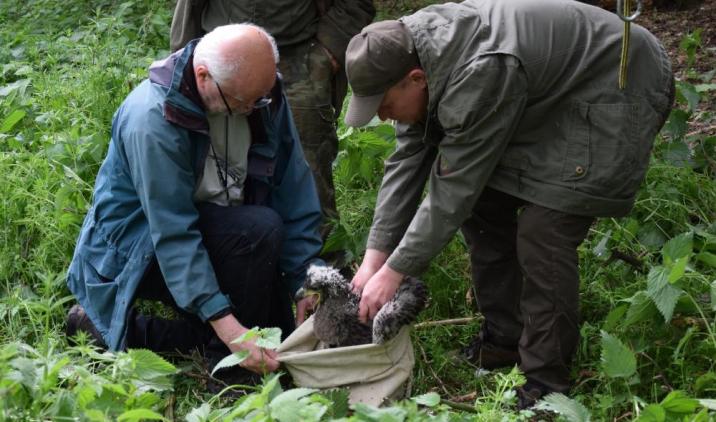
[(373, 373)]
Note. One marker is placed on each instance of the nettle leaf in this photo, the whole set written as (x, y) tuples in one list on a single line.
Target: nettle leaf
[(678, 247), (614, 317), (664, 294), (231, 360), (652, 413), (678, 269), (389, 414), (677, 125), (689, 94), (427, 399), (149, 365), (338, 399), (288, 406), (641, 308), (705, 87), (11, 120), (618, 361), (269, 338), (140, 414), (199, 414), (571, 409), (679, 402)]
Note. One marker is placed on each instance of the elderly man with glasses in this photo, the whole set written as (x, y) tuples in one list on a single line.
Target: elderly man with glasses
[(220, 228)]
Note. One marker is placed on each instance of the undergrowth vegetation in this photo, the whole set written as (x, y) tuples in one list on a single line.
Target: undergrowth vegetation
[(648, 348)]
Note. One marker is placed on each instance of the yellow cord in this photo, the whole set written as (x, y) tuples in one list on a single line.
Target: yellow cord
[(625, 46)]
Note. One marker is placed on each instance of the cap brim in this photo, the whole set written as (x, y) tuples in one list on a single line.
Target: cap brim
[(362, 109)]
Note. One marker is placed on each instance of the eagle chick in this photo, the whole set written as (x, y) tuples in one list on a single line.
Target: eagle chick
[(335, 321)]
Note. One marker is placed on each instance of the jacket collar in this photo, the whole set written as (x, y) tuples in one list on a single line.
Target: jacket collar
[(182, 104)]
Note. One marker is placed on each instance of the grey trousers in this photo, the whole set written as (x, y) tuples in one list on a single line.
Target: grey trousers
[(526, 279)]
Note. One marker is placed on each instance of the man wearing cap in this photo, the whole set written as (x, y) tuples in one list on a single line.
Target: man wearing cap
[(512, 115)]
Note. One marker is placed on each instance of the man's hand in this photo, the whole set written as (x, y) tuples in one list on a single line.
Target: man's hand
[(378, 290), (304, 307), (259, 360), (372, 261)]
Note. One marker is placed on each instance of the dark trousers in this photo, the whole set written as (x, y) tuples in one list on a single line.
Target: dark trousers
[(243, 245), (526, 278)]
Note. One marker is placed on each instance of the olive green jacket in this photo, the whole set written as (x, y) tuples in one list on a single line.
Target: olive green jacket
[(523, 98), (332, 22)]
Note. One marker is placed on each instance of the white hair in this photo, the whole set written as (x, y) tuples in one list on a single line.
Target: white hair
[(208, 51)]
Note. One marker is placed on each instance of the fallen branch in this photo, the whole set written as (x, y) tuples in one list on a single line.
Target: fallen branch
[(454, 321), (708, 129), (459, 406), (465, 397)]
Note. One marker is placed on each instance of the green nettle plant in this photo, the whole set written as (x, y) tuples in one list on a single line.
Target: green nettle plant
[(648, 349)]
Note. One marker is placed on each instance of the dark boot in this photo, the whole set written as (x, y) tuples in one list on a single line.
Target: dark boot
[(487, 355), (530, 393), (77, 320)]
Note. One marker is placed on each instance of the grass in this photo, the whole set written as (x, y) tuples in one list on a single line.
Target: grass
[(648, 280)]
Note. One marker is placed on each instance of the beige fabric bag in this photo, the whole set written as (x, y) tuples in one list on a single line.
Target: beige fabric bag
[(373, 373)]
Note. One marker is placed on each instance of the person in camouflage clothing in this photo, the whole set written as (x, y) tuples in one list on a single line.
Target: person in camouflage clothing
[(312, 36)]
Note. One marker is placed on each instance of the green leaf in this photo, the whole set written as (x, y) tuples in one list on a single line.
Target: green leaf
[(248, 335), (705, 87), (664, 294), (679, 402), (389, 414), (339, 402), (140, 414), (707, 258), (269, 338), (617, 360), (427, 399), (651, 236), (149, 365), (677, 125), (689, 94), (713, 295), (614, 317), (678, 247), (706, 384), (199, 414), (708, 403), (678, 269), (231, 360), (287, 407), (652, 413), (572, 410), (641, 308), (11, 120)]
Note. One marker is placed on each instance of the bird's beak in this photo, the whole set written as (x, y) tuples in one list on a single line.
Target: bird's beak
[(301, 293)]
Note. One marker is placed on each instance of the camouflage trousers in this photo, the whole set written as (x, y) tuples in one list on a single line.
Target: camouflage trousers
[(315, 95)]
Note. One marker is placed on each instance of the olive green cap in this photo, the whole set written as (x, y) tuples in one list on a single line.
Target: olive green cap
[(376, 59)]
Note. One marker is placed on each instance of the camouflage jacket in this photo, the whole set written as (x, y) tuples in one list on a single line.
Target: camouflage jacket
[(332, 22)]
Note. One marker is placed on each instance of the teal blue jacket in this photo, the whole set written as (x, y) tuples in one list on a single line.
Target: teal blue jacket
[(143, 206)]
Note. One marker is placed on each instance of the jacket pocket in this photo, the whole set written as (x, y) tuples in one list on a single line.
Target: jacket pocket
[(604, 154), (101, 288)]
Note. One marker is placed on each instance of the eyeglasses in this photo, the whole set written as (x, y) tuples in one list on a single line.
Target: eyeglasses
[(260, 103)]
